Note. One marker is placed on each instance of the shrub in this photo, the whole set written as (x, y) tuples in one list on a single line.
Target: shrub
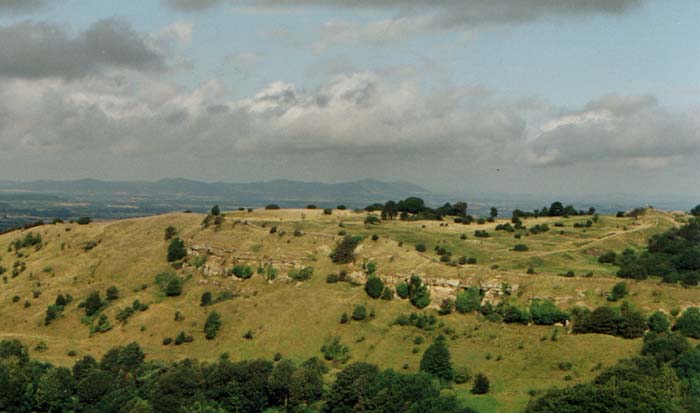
[(173, 288), (513, 314), (481, 234), (374, 287), (688, 323), (520, 247), (212, 325), (402, 290), (124, 314), (176, 250), (372, 219), (468, 300), (608, 258), (344, 319), (375, 237), (334, 350), (167, 341), (545, 312), (206, 299), (112, 293), (180, 338), (52, 313), (618, 292), (659, 322), (302, 274), (359, 313), (93, 303), (327, 211), (332, 278), (420, 247), (387, 294), (170, 232), (242, 271), (84, 220), (344, 251), (447, 306), (471, 261), (272, 206), (481, 384)]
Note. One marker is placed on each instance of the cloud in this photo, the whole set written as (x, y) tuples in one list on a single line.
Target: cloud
[(418, 16), (180, 31), (42, 50), (633, 129), (20, 6)]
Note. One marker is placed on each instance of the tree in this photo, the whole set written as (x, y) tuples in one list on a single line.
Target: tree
[(556, 209), (545, 312), (418, 293), (374, 287), (664, 347), (215, 211), (372, 219), (176, 250), (695, 211), (420, 247), (84, 220), (402, 290), (436, 360), (688, 323), (242, 271), (494, 212), (344, 252), (481, 384), (212, 325)]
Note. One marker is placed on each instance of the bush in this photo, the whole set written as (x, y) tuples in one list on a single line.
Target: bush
[(618, 292), (242, 271), (402, 290), (334, 350), (608, 258), (327, 211), (481, 234), (344, 319), (332, 278), (124, 314), (387, 294), (302, 274), (173, 288), (664, 347), (446, 306), (462, 375), (112, 293), (272, 206), (659, 322), (688, 323), (481, 384), (170, 232), (468, 300), (176, 250), (462, 260), (359, 313), (420, 247), (471, 261), (212, 325), (84, 220), (520, 247), (167, 341), (545, 312), (344, 252), (374, 287), (206, 299), (93, 303), (372, 219)]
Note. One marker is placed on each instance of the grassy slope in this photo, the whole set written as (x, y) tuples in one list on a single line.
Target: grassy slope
[(295, 318)]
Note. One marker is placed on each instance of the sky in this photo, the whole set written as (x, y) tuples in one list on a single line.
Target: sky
[(562, 97)]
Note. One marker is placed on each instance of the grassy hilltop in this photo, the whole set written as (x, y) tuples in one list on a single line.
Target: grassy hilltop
[(296, 318)]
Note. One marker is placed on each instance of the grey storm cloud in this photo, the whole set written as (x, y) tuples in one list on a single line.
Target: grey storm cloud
[(634, 128), (450, 12), (40, 50), (21, 6)]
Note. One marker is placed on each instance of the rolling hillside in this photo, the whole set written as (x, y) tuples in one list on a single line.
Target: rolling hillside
[(261, 317)]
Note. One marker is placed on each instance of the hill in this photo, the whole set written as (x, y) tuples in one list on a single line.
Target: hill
[(262, 316)]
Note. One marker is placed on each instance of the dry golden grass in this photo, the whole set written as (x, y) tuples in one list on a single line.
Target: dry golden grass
[(295, 318)]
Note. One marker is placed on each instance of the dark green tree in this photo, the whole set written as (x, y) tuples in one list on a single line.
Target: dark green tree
[(212, 325), (374, 287), (436, 360), (481, 384), (176, 250)]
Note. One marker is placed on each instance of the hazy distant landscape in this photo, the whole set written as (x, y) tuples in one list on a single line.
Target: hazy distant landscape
[(26, 202)]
